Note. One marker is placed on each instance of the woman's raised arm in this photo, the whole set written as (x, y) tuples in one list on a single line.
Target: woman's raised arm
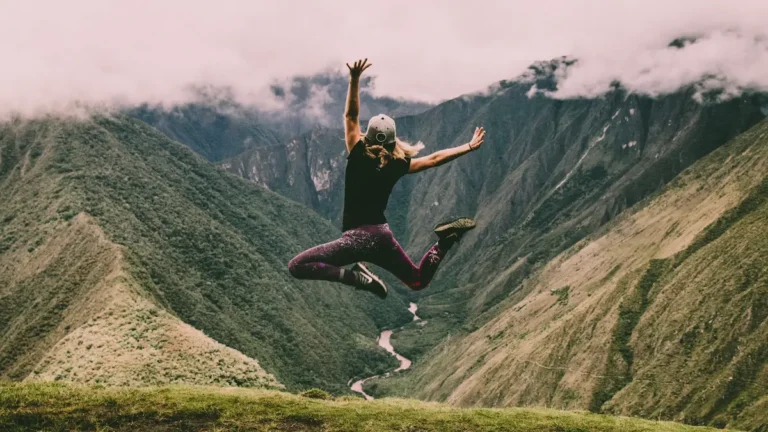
[(444, 156), (352, 112)]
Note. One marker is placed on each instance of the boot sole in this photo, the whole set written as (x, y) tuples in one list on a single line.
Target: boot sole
[(461, 224)]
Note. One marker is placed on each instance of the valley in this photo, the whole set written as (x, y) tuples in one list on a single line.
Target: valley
[(384, 342), (122, 253), (558, 176)]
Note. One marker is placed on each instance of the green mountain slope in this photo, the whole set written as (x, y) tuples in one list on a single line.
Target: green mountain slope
[(660, 314), (56, 407), (551, 172), (115, 239), (214, 132)]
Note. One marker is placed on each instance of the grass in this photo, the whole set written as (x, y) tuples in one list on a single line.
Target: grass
[(57, 407), (561, 294), (631, 310)]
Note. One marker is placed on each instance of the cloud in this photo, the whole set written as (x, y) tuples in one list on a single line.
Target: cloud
[(59, 55), (730, 61)]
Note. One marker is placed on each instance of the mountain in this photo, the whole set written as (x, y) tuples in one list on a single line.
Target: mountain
[(222, 129), (308, 169), (553, 168), (215, 132), (125, 258), (320, 100), (662, 313), (551, 174)]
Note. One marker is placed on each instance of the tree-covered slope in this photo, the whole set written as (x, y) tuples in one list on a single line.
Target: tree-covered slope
[(550, 173), (109, 212), (214, 132)]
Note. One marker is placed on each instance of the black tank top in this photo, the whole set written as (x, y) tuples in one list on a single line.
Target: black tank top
[(367, 187)]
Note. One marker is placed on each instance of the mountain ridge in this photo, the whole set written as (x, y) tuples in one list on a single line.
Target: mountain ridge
[(222, 128), (204, 247)]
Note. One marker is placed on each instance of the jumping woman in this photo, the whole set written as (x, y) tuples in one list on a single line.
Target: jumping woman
[(376, 161)]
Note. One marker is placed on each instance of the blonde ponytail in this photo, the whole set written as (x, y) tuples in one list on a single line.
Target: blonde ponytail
[(407, 149), (402, 150)]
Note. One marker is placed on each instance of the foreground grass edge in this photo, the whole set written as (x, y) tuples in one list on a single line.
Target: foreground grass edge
[(55, 406)]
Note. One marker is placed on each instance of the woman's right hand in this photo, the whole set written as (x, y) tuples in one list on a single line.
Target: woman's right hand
[(477, 138), (358, 67)]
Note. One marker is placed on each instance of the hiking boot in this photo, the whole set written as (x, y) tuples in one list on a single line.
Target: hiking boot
[(454, 229), (367, 281)]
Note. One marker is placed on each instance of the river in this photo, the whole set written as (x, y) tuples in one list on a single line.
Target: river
[(387, 345)]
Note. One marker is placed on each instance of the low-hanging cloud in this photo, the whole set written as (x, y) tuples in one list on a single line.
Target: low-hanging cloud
[(61, 55), (727, 63)]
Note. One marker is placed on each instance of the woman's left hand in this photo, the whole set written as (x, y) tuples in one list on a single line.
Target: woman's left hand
[(477, 139), (358, 68)]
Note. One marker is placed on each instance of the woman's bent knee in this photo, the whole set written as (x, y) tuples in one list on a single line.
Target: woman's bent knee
[(416, 285), (294, 267)]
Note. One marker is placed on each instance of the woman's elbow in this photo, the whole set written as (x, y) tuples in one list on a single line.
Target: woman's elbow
[(434, 160)]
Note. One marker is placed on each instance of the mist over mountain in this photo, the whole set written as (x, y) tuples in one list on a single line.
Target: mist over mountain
[(320, 99), (76, 61), (222, 128)]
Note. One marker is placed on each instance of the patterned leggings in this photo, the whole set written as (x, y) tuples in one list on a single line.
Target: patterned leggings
[(369, 243)]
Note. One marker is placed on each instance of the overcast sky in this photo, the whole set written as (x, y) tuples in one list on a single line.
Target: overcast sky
[(120, 52)]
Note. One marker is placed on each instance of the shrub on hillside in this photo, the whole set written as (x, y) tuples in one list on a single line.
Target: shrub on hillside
[(316, 394)]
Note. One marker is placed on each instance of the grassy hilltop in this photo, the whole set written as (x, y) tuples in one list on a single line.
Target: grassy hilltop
[(66, 408)]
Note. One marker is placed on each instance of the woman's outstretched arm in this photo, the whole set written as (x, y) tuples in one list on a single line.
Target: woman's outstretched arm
[(352, 112), (444, 156)]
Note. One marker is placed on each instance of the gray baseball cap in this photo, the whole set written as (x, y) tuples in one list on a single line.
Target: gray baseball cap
[(381, 130)]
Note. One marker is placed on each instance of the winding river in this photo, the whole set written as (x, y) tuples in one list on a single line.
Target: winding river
[(385, 343)]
